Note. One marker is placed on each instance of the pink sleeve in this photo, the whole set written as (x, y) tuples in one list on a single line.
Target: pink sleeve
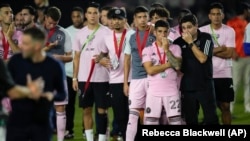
[(146, 55), (176, 50), (104, 48), (230, 38), (19, 35)]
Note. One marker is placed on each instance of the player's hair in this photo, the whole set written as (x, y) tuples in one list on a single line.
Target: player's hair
[(183, 12), (77, 9), (189, 18), (162, 12), (94, 5), (242, 7), (35, 33), (140, 9), (4, 5), (216, 5), (106, 8), (157, 5), (31, 10), (162, 23), (54, 13)]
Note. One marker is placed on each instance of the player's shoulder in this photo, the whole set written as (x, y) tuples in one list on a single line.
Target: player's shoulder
[(228, 28), (204, 27), (204, 35)]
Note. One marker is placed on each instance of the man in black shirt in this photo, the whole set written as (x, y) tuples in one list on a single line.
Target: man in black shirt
[(197, 83), (31, 120)]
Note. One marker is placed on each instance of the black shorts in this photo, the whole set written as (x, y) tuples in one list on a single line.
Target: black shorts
[(97, 93), (119, 102), (224, 89)]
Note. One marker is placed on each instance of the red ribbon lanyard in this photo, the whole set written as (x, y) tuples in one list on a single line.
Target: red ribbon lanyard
[(90, 75), (162, 59), (138, 40), (50, 34), (118, 50), (5, 47)]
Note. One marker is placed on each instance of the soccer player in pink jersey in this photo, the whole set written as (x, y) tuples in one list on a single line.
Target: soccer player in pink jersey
[(114, 45), (224, 43), (10, 38), (93, 78), (161, 60)]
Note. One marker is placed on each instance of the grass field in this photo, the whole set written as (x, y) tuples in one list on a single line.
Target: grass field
[(241, 118)]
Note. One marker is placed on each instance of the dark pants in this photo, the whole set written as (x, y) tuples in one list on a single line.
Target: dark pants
[(70, 107), (29, 133), (207, 101), (120, 108)]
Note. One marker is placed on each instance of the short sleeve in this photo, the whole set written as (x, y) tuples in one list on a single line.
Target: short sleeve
[(127, 46), (76, 46), (68, 43), (176, 51), (104, 48), (231, 38), (208, 46), (146, 55)]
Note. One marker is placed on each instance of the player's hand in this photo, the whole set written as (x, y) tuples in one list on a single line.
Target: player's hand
[(126, 89), (105, 62), (53, 44), (223, 48), (75, 85), (165, 43), (36, 87), (187, 37), (48, 95), (58, 57), (10, 31)]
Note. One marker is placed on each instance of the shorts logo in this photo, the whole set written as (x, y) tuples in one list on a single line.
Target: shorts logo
[(59, 37), (231, 86), (148, 110)]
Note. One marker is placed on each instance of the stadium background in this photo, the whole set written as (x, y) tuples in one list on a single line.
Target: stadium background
[(198, 7)]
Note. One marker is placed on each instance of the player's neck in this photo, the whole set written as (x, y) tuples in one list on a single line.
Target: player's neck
[(32, 24), (38, 57), (120, 30), (5, 27), (142, 28), (216, 26), (79, 26), (93, 26), (159, 44)]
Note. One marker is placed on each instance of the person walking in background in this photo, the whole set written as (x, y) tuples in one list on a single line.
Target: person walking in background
[(241, 59)]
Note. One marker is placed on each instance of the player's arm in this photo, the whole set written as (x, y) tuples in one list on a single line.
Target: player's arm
[(67, 57), (174, 61), (14, 47), (226, 54), (152, 70)]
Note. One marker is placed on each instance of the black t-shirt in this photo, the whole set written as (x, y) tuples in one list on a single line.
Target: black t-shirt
[(6, 82), (27, 111), (197, 76)]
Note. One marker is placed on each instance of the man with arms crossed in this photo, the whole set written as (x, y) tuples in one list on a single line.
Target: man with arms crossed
[(29, 119), (224, 42), (92, 77), (59, 46), (138, 87), (161, 60)]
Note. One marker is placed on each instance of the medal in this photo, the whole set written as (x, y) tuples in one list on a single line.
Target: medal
[(115, 63), (163, 74)]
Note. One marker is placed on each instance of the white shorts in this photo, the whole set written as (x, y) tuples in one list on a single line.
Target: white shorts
[(154, 104), (64, 102), (137, 93)]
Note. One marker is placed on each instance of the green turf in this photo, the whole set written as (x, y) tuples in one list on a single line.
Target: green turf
[(242, 118)]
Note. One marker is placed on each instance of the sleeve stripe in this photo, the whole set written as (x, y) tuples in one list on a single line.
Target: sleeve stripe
[(207, 46)]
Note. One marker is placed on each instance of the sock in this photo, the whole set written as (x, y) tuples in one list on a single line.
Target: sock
[(102, 137), (175, 120), (163, 118), (132, 125), (103, 121), (151, 121), (89, 135), (61, 125)]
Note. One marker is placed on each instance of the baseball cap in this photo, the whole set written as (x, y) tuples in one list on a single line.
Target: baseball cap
[(117, 13)]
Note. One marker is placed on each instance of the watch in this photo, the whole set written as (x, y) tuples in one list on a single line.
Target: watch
[(190, 45)]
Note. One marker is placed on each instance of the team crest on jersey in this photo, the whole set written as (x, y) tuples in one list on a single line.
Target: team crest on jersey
[(59, 37), (15, 41), (148, 110)]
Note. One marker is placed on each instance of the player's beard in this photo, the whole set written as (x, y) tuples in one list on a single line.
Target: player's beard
[(26, 24)]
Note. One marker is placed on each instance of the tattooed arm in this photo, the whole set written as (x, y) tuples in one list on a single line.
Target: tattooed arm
[(174, 61)]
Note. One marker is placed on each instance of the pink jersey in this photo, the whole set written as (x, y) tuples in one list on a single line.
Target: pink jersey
[(115, 75), (16, 38), (92, 48), (222, 68), (158, 85)]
